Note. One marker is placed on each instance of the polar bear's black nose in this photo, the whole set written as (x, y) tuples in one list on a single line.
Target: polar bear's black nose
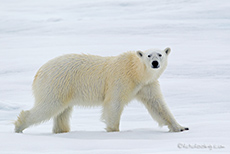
[(155, 64)]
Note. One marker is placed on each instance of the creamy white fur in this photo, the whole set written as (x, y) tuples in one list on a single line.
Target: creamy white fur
[(88, 80)]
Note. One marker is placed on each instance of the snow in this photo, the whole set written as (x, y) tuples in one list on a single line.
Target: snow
[(195, 85)]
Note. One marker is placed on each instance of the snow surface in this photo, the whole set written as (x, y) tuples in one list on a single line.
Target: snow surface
[(196, 83)]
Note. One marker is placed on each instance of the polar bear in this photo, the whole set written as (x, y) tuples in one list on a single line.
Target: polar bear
[(88, 80)]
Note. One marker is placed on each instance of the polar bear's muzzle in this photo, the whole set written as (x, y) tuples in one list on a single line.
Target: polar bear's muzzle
[(155, 64)]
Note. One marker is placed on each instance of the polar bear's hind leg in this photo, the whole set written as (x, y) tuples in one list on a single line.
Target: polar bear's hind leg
[(39, 113), (61, 121)]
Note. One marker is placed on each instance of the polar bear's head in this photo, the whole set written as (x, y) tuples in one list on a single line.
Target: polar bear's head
[(155, 59)]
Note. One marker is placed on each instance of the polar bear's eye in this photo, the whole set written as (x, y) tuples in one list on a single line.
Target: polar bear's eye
[(149, 56), (159, 55)]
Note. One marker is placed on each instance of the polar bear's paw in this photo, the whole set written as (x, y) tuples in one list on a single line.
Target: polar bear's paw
[(178, 128), (112, 129), (20, 124)]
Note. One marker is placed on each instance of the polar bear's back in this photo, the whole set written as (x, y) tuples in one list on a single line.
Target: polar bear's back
[(72, 77)]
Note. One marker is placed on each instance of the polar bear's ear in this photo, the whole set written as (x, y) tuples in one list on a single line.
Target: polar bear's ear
[(140, 53), (167, 51)]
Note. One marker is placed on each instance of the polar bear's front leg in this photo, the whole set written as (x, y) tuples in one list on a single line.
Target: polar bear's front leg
[(111, 115), (151, 96)]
